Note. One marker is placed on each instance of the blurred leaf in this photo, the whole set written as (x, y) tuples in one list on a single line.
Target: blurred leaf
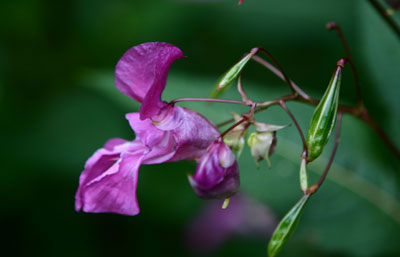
[(286, 227), (381, 55)]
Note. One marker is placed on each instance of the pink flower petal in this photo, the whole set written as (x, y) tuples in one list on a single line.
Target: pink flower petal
[(142, 72), (110, 177), (115, 190), (213, 177)]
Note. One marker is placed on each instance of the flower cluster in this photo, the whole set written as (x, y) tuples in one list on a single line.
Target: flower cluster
[(164, 133)]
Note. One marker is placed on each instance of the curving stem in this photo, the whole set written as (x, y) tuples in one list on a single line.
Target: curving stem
[(278, 73), (313, 189), (211, 100), (240, 89), (349, 57), (305, 152)]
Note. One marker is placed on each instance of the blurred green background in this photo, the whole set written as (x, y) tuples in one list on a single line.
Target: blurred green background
[(58, 104)]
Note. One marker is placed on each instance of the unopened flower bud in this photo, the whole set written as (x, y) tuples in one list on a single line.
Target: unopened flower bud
[(263, 142), (217, 173), (262, 145)]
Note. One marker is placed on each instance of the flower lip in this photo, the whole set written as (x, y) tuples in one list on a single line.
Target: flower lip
[(169, 118), (142, 72)]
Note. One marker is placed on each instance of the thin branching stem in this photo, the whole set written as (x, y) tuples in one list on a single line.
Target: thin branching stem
[(284, 75), (282, 103), (274, 70), (227, 101), (299, 95), (349, 57), (232, 127), (353, 111), (240, 89)]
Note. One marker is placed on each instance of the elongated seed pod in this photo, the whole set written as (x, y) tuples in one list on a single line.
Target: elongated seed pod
[(226, 80), (286, 227), (324, 117)]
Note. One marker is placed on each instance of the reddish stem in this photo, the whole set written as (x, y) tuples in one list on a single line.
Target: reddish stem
[(280, 75), (282, 103), (313, 189), (240, 89), (285, 76), (232, 127), (227, 101), (349, 57)]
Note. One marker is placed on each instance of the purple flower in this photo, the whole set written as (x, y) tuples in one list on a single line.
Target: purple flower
[(164, 133), (217, 174)]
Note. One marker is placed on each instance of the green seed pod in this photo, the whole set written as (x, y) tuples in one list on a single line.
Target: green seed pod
[(324, 117), (227, 79), (286, 227), (303, 175)]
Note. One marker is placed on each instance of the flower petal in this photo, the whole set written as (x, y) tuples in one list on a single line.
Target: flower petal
[(114, 190), (99, 162), (142, 72), (192, 133), (145, 130), (161, 143), (193, 136), (114, 142), (213, 178)]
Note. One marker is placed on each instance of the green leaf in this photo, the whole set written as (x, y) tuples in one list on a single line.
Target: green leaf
[(226, 80), (286, 227), (324, 117)]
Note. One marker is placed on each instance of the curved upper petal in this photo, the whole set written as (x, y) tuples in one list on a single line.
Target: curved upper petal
[(142, 72)]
